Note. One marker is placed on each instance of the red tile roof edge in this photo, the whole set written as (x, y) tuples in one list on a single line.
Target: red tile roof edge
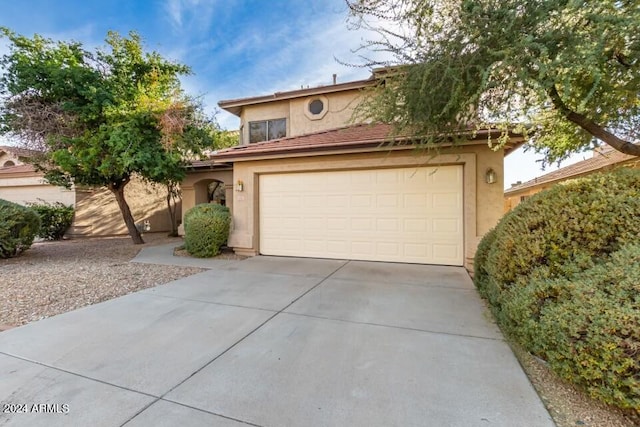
[(18, 169), (354, 136), (599, 161)]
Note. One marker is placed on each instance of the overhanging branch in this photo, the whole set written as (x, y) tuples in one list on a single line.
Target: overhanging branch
[(592, 127)]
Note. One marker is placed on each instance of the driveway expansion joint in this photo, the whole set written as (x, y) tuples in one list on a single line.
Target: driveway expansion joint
[(234, 345), (427, 331), (151, 293), (75, 374)]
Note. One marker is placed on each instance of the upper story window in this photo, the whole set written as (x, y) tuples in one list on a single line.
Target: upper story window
[(267, 130)]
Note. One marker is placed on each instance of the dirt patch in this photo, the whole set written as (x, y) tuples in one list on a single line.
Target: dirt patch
[(568, 405)]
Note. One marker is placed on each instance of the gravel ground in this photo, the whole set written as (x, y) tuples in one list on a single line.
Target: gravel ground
[(55, 277)]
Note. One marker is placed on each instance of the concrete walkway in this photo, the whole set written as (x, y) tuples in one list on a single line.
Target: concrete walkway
[(272, 341)]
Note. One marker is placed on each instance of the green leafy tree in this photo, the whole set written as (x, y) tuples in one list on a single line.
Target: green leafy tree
[(100, 118), (177, 142), (568, 69)]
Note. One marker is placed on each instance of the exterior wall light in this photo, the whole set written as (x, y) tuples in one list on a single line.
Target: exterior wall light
[(490, 176), (240, 186)]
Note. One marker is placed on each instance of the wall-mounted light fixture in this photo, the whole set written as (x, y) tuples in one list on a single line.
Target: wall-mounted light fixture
[(490, 177), (240, 186)]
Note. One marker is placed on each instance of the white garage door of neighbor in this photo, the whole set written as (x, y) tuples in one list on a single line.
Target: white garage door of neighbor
[(410, 215)]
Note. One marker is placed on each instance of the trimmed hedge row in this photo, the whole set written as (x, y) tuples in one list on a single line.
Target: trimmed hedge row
[(206, 229), (561, 273), (19, 225)]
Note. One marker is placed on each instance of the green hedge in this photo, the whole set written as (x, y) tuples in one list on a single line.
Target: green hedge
[(561, 270), (586, 326), (19, 225), (206, 229), (56, 218)]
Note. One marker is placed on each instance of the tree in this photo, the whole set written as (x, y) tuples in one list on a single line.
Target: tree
[(178, 139), (99, 118), (568, 69)]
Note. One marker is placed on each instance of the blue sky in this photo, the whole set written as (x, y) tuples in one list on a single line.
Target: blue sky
[(236, 48)]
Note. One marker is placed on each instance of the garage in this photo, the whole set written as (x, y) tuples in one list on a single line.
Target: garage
[(412, 214)]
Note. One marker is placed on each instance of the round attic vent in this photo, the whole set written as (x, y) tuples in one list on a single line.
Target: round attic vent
[(316, 106)]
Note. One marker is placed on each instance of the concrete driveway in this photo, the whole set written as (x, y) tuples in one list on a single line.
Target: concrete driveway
[(273, 342)]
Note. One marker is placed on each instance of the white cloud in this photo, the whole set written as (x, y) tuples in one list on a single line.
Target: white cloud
[(190, 15), (263, 59), (174, 10)]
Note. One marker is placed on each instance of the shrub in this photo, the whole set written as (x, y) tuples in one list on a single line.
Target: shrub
[(206, 229), (561, 273), (566, 228), (55, 218), (481, 276), (18, 227), (587, 327)]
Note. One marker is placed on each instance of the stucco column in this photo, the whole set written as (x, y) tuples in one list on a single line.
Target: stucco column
[(188, 201), (228, 195)]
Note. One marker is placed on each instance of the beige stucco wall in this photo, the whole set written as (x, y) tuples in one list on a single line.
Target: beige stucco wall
[(97, 212), (483, 202), (339, 106), (33, 189)]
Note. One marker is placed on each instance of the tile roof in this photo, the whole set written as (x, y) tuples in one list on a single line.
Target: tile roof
[(19, 152), (17, 169), (349, 136), (355, 136), (601, 159)]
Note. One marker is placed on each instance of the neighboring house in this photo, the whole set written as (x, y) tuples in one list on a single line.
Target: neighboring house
[(96, 210), (305, 183), (604, 158), (20, 183)]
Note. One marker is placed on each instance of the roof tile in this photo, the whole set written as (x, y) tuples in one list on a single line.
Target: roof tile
[(598, 161)]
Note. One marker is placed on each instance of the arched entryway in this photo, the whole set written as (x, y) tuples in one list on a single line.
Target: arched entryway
[(210, 191), (207, 187)]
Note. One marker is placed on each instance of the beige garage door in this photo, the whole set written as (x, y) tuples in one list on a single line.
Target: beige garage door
[(404, 215)]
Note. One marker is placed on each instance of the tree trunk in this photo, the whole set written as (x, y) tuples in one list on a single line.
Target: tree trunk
[(172, 206), (592, 127), (117, 188)]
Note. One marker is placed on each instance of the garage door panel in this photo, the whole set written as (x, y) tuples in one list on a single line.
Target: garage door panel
[(403, 214), (362, 248), (446, 226), (314, 223), (415, 200), (361, 201), (314, 201), (362, 224), (337, 202)]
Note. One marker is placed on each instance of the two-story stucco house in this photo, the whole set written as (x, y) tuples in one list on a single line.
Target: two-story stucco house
[(305, 182)]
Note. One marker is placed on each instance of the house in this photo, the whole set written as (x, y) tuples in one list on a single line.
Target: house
[(604, 158), (96, 210), (304, 182), (20, 183)]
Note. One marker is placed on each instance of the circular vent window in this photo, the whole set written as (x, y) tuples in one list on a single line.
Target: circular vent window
[(316, 106)]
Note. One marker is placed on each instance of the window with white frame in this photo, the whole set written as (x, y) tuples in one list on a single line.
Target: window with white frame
[(266, 130)]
